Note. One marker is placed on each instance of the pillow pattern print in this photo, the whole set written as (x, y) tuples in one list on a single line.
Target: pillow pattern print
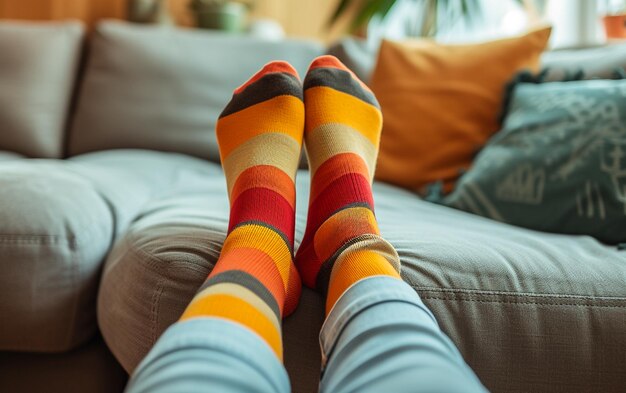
[(558, 164)]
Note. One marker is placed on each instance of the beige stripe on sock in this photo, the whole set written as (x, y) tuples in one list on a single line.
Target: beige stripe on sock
[(278, 150), (241, 292), (331, 139)]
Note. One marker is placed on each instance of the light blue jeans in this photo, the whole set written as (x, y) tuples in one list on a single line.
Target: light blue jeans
[(379, 337)]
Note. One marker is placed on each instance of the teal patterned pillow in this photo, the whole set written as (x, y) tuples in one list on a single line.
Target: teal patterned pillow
[(558, 164)]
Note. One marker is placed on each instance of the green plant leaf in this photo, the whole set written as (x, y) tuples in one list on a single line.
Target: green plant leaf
[(367, 9), (431, 20), (385, 8), (341, 8), (366, 13), (464, 7)]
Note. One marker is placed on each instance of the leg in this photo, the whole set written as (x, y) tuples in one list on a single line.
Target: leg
[(378, 335), (209, 355), (229, 337)]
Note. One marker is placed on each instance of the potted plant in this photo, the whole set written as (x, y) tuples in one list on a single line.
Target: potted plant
[(426, 23), (615, 19), (149, 11), (226, 15)]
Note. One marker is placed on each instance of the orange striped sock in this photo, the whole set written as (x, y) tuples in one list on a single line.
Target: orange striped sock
[(342, 242), (255, 282)]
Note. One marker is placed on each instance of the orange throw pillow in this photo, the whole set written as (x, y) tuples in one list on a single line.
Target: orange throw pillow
[(441, 103)]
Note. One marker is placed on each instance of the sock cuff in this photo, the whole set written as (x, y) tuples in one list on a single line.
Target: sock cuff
[(369, 242)]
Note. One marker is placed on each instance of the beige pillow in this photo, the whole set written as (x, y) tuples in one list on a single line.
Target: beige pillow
[(163, 88), (38, 63)]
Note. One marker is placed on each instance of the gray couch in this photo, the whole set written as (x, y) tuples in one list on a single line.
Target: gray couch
[(103, 244)]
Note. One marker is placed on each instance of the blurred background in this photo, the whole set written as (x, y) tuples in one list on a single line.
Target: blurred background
[(577, 22)]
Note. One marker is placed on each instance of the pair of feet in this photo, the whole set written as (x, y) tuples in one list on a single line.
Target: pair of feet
[(260, 133)]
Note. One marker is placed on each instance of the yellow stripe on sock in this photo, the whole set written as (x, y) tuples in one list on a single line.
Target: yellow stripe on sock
[(327, 105), (237, 310), (369, 255), (239, 127), (236, 290)]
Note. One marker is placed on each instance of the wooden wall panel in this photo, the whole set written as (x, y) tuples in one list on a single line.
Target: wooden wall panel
[(26, 9), (70, 9), (99, 9), (87, 10), (304, 18), (180, 10)]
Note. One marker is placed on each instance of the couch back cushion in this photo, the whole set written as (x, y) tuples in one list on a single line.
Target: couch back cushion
[(440, 104), (602, 62), (38, 63), (163, 88)]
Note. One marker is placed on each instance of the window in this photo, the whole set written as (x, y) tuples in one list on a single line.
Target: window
[(576, 22)]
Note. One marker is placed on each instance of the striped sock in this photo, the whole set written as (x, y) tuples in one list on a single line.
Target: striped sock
[(342, 243), (255, 282)]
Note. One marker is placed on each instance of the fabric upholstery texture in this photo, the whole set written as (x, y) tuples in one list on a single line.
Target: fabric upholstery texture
[(358, 54), (181, 80), (37, 71), (441, 103), (53, 239), (54, 234), (523, 307), (596, 62), (558, 164), (9, 156)]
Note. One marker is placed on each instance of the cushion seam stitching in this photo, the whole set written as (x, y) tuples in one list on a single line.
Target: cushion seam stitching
[(477, 292), (522, 302)]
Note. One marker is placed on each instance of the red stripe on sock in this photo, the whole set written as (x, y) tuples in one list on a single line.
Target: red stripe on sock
[(308, 264), (348, 189), (265, 176), (335, 167), (265, 205)]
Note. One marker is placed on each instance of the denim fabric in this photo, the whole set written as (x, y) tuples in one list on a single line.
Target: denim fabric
[(209, 355), (379, 337)]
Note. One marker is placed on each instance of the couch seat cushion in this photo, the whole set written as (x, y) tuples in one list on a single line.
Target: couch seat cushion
[(58, 221), (8, 156), (528, 310), (54, 231)]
